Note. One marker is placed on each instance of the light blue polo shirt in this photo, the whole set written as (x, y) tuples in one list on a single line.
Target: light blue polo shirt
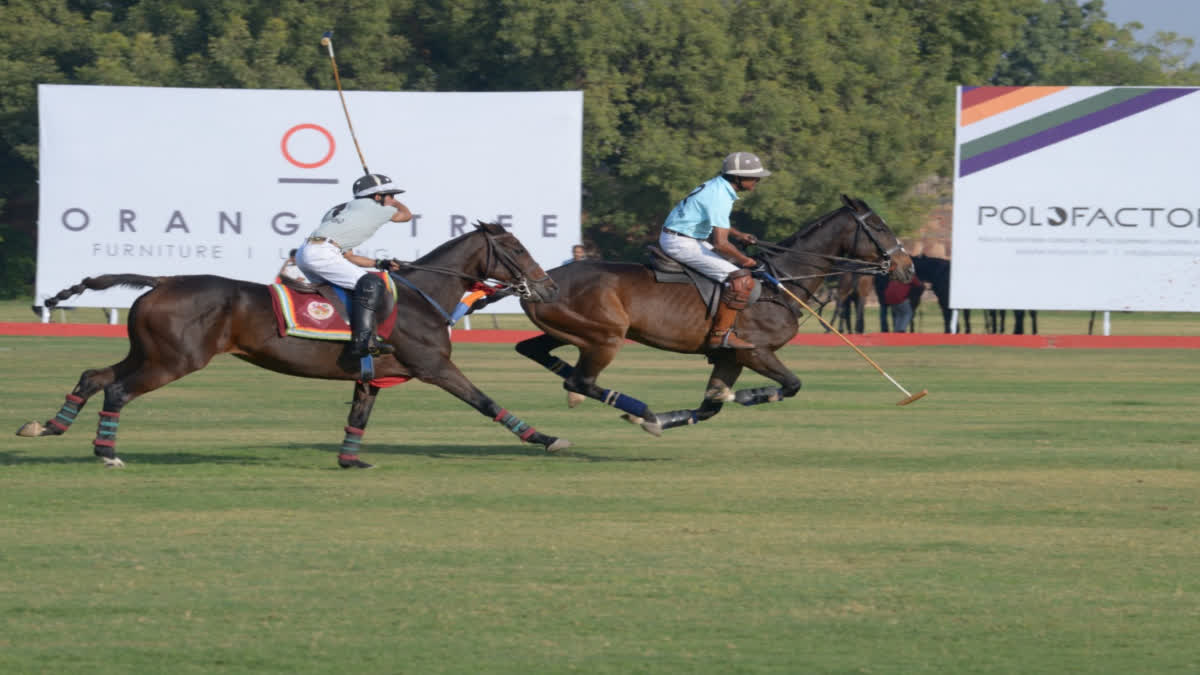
[(707, 206)]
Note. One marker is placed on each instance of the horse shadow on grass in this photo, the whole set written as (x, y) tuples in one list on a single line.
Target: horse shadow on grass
[(498, 451)]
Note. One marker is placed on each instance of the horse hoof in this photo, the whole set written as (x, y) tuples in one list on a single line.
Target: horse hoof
[(558, 445), (632, 419), (353, 462), (722, 393), (574, 399), (113, 463), (654, 428), (31, 429)]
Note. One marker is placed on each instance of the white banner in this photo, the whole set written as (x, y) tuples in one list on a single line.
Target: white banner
[(1077, 198), (162, 181)]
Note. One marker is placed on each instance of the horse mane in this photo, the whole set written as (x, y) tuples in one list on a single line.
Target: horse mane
[(480, 226), (808, 229)]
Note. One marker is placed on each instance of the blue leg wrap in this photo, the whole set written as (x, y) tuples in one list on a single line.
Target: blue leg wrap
[(559, 367), (623, 402)]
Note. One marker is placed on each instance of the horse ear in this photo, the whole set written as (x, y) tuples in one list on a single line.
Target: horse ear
[(490, 228), (848, 202)]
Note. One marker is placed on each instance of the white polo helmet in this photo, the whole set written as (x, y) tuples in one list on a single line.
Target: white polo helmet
[(744, 164), (375, 184)]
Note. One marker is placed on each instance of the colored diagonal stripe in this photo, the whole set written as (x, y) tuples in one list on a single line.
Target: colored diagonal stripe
[(1049, 120), (1006, 99), (1069, 126), (976, 95)]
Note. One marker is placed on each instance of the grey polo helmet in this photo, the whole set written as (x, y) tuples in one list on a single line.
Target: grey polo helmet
[(375, 184), (744, 164)]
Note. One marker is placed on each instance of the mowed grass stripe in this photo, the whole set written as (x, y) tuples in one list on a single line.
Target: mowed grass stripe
[(1036, 513)]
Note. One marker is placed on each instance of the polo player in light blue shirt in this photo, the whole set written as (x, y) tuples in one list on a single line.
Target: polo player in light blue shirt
[(704, 212)]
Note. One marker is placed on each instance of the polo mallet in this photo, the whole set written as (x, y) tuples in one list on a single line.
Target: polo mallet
[(327, 43), (908, 398)]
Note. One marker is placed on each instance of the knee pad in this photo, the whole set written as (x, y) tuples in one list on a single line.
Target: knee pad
[(368, 292), (739, 286)]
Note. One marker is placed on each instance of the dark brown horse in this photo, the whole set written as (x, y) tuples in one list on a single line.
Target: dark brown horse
[(601, 304), (183, 321)]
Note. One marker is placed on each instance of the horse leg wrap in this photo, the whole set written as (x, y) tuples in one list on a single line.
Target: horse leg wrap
[(533, 349), (66, 414), (555, 365), (676, 418), (350, 444), (758, 395), (623, 402), (106, 435), (514, 424)]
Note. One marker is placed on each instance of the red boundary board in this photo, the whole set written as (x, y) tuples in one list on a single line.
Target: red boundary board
[(819, 340)]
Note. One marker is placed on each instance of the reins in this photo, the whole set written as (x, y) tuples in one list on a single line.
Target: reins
[(774, 254), (494, 251), (521, 286)]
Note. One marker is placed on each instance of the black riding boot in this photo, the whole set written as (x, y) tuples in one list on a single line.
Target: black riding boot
[(368, 294)]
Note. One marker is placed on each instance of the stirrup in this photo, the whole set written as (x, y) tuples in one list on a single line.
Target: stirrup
[(725, 343), (380, 348)]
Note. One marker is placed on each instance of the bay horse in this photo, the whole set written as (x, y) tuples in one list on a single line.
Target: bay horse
[(601, 304), (182, 322)]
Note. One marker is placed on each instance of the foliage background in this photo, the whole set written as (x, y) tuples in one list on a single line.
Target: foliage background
[(853, 97)]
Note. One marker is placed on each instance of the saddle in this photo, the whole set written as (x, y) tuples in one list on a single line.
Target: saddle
[(338, 297), (668, 270), (320, 310)]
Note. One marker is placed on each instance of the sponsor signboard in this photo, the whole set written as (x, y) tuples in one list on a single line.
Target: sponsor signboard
[(161, 181), (1077, 198)]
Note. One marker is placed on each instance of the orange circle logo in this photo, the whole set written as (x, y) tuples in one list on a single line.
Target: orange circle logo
[(287, 136)]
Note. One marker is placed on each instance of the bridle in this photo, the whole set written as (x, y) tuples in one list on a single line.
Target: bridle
[(521, 286), (855, 265)]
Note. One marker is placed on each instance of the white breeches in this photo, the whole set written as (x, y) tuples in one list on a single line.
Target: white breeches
[(324, 261), (697, 254)]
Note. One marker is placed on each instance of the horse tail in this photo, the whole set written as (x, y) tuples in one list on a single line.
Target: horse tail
[(102, 283)]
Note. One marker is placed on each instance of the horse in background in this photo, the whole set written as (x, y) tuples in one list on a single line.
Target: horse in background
[(994, 321), (935, 273), (849, 297)]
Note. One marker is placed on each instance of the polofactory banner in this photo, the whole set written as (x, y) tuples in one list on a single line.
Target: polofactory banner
[(161, 181), (1077, 198)]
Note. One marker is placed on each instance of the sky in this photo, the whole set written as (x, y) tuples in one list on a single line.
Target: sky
[(1181, 16)]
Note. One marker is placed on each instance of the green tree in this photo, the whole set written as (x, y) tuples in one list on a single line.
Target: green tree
[(837, 97)]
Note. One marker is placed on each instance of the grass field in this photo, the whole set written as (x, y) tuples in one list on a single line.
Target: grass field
[(1037, 513)]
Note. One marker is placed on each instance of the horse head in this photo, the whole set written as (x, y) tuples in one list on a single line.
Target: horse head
[(509, 261), (872, 240)]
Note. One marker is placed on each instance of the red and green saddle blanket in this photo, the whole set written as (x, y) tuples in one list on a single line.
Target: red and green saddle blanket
[(311, 315)]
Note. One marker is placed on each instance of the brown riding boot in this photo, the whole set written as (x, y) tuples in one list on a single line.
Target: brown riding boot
[(722, 336), (734, 299)]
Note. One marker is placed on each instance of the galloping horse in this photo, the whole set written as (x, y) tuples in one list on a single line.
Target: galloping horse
[(601, 304), (183, 321)]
